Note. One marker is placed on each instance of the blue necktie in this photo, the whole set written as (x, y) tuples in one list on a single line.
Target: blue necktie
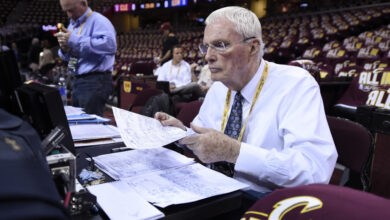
[(232, 129)]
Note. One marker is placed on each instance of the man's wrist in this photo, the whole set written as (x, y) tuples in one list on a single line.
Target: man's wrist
[(235, 151)]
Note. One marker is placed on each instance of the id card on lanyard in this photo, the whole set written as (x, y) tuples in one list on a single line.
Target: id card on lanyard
[(73, 61)]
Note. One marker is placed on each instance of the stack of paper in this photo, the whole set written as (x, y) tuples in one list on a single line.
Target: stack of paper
[(86, 119), (119, 202), (182, 185), (76, 115), (164, 177), (93, 131), (136, 162), (71, 110)]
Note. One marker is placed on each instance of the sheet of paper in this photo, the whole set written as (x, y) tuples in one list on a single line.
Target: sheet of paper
[(97, 142), (80, 117), (138, 131), (119, 202), (71, 110), (93, 131), (135, 162), (182, 185)]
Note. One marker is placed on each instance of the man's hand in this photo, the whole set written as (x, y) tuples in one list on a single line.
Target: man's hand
[(62, 38), (193, 66), (168, 120), (212, 146)]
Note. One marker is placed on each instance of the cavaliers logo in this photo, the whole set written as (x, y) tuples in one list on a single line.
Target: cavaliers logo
[(127, 86), (280, 209)]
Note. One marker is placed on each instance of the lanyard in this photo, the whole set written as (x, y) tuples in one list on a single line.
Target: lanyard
[(82, 24), (178, 70), (257, 93)]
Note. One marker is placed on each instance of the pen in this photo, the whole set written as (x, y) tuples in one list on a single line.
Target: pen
[(119, 149)]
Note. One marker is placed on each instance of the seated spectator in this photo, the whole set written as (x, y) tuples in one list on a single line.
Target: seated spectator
[(197, 88), (176, 71), (204, 78), (46, 60)]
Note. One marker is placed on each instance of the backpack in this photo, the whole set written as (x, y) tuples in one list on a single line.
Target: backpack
[(159, 103), (27, 190)]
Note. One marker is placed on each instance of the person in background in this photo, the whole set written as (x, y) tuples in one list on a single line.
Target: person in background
[(203, 78), (176, 71), (46, 60), (262, 123), (33, 54), (88, 44), (170, 40), (15, 49)]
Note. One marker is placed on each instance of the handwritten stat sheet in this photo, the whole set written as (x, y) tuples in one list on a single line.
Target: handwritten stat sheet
[(138, 131)]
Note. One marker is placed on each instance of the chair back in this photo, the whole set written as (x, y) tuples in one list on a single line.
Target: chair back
[(187, 111), (354, 144), (142, 97), (319, 201)]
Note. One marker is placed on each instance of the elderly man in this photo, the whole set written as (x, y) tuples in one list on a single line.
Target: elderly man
[(261, 122), (89, 46)]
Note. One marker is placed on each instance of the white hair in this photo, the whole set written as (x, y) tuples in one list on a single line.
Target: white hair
[(246, 22)]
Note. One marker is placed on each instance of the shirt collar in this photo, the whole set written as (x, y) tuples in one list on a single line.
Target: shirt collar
[(248, 92), (80, 19)]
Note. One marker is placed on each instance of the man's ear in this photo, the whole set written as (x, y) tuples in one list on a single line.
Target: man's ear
[(254, 46)]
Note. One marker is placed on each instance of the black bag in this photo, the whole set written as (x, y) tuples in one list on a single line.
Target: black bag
[(27, 190), (159, 103)]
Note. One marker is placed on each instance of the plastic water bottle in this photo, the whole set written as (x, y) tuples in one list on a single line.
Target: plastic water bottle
[(62, 89)]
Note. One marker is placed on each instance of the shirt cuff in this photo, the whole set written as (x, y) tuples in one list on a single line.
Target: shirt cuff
[(251, 160), (63, 55)]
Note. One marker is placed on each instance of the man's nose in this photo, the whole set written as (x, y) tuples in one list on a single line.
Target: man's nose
[(210, 55)]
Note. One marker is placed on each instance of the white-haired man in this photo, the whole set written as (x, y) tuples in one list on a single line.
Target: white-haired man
[(261, 122), (89, 46)]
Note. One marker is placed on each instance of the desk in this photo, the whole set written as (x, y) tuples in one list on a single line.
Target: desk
[(228, 206)]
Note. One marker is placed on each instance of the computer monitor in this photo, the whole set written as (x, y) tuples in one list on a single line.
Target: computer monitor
[(164, 86), (42, 107)]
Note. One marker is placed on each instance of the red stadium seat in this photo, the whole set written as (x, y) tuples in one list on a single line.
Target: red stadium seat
[(188, 111), (142, 97), (319, 201), (354, 144)]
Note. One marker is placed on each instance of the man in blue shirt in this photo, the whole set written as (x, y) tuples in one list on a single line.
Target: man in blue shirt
[(89, 46)]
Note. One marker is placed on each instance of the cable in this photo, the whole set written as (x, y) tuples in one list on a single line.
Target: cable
[(67, 199)]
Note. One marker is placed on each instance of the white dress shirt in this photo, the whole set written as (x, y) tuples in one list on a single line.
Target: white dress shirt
[(287, 141), (179, 75)]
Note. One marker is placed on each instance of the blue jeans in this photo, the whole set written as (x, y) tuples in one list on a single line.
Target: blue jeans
[(91, 92)]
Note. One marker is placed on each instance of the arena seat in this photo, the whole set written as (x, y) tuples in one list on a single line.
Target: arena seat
[(142, 97), (188, 111), (358, 91), (319, 201), (354, 144)]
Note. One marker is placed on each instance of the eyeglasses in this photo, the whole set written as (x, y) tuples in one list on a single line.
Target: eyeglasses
[(219, 46)]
